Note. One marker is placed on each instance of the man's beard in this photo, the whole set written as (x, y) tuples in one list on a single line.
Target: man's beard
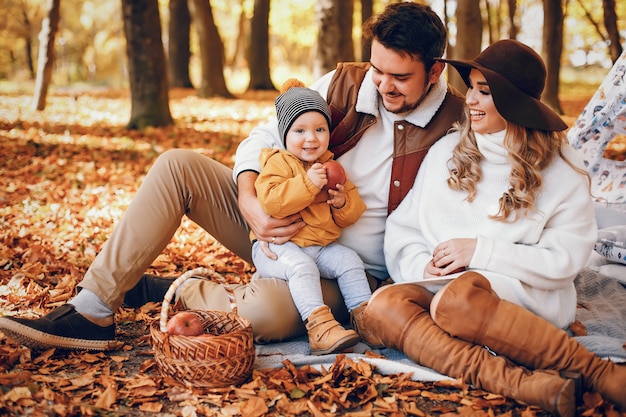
[(409, 107), (405, 108)]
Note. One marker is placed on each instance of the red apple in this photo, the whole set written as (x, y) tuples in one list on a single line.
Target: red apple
[(185, 323), (335, 173)]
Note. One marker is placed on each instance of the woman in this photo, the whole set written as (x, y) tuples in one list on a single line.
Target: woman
[(487, 245)]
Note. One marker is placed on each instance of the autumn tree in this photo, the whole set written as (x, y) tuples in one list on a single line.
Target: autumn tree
[(45, 60), (179, 53), (493, 20), (146, 65), (241, 42), (469, 23), (513, 25), (367, 11), (552, 50), (21, 19), (334, 39), (259, 52), (610, 23), (211, 48)]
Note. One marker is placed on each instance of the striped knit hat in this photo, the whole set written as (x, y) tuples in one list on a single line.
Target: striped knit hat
[(294, 100)]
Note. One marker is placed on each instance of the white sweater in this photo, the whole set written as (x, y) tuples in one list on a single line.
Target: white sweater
[(531, 262)]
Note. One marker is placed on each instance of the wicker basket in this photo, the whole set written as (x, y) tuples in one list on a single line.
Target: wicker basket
[(219, 361)]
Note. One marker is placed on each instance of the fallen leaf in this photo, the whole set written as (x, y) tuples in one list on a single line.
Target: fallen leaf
[(16, 394), (254, 407), (107, 398)]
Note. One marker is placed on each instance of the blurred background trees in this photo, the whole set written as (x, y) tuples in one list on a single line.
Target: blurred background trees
[(228, 47)]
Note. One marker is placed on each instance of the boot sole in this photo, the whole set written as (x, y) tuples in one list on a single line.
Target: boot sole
[(340, 345), (37, 339), (374, 345)]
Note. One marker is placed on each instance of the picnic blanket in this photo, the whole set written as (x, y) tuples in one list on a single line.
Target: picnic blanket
[(602, 310)]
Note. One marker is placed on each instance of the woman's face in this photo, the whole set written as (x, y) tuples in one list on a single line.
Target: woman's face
[(484, 116)]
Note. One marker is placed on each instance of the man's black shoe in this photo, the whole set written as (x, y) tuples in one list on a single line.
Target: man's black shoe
[(150, 288), (63, 328)]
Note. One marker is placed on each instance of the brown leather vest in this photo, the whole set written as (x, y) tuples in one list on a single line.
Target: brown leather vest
[(411, 143)]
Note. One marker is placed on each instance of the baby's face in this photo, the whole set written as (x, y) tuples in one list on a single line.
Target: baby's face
[(308, 136)]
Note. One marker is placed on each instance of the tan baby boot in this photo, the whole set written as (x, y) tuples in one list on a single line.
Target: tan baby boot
[(326, 335)]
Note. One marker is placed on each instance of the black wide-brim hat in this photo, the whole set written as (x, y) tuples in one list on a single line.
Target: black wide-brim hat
[(516, 76)]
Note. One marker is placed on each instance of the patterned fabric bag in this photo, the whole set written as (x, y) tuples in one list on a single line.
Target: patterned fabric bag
[(603, 120)]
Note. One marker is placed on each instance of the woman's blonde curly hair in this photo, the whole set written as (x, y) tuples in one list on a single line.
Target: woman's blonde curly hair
[(530, 152)]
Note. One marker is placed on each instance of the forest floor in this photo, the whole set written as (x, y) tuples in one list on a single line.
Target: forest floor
[(66, 176)]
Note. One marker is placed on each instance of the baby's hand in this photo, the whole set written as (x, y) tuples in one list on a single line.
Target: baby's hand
[(317, 175), (337, 197)]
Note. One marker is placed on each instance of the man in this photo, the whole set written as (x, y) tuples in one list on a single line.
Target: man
[(385, 116)]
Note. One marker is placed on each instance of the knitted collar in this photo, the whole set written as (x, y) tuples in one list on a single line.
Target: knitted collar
[(368, 101), (491, 145)]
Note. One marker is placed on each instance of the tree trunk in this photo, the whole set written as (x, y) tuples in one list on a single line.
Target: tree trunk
[(146, 65), (446, 22), (346, 22), (28, 43), (29, 58), (552, 51), (239, 56), (490, 22), (213, 83), (259, 53), (178, 44), (367, 11), (513, 28), (45, 61), (469, 23), (334, 38), (494, 20), (610, 23)]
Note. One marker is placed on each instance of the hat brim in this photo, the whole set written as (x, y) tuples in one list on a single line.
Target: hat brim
[(512, 103)]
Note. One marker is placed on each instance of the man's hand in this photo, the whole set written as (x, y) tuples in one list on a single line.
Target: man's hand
[(266, 228)]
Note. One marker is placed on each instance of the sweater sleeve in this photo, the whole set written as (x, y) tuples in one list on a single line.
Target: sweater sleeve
[(563, 246), (248, 151)]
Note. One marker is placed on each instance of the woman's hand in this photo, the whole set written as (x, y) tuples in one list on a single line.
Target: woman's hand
[(450, 257), (266, 228)]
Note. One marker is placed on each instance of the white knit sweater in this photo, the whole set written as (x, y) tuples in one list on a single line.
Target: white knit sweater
[(531, 262)]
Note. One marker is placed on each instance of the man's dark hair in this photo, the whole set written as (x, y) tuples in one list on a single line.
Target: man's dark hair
[(409, 28)]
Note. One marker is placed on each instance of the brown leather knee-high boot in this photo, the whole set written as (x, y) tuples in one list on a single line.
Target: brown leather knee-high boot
[(399, 315), (470, 310)]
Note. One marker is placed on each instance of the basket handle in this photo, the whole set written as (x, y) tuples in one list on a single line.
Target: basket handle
[(193, 273)]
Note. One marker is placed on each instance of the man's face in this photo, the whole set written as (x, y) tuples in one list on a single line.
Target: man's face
[(401, 80)]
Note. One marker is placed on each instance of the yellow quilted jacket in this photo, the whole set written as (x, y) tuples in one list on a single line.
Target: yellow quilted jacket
[(283, 188)]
